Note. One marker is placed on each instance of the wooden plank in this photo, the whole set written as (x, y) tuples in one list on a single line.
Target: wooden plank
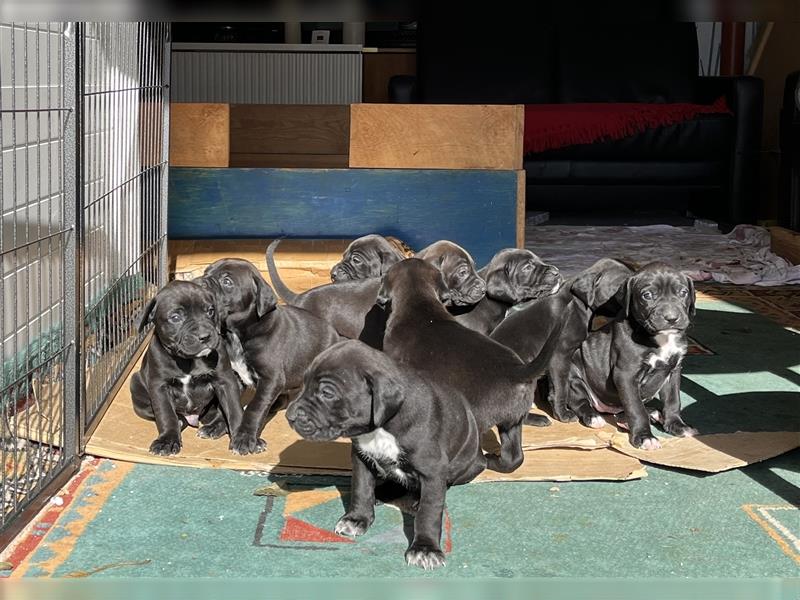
[(436, 136), (520, 209), (303, 264), (199, 135), (290, 161), (786, 243), (290, 129), (474, 208), (379, 67)]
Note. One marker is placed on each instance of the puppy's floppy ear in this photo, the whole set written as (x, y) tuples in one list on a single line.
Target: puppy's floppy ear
[(583, 287), (499, 287), (388, 258), (386, 396), (626, 299), (690, 285), (265, 297), (445, 297), (148, 315)]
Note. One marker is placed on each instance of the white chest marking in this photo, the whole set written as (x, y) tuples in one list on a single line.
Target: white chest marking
[(238, 362), (669, 344), (185, 382), (379, 445)]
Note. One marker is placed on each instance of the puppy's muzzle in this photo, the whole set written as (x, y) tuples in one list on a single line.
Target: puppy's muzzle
[(471, 295), (340, 272), (303, 423), (198, 342)]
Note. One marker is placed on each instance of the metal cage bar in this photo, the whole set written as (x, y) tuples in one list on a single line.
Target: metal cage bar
[(83, 138)]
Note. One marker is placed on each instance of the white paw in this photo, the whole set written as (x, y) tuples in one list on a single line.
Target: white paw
[(689, 432), (350, 527), (650, 443), (426, 558), (656, 416), (597, 422)]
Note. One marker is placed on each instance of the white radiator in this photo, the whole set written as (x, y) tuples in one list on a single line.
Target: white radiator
[(266, 77)]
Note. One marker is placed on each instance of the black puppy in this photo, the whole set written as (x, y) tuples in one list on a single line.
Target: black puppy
[(498, 386), (625, 363), (526, 329), (270, 346), (349, 306), (186, 376), (404, 429), (512, 276), (368, 256)]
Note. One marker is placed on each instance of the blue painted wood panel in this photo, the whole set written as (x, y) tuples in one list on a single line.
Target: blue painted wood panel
[(474, 208)]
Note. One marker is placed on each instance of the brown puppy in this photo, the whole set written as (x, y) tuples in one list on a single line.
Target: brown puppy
[(350, 306), (498, 386), (514, 275)]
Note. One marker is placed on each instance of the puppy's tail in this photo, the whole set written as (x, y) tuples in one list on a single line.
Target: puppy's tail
[(284, 292), (537, 367)]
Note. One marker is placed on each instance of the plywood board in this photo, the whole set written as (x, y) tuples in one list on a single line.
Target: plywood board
[(199, 135), (474, 208), (521, 208), (715, 452), (289, 135), (303, 264), (436, 136)]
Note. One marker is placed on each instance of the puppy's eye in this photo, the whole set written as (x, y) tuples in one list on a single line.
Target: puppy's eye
[(210, 311), (683, 292), (463, 272), (175, 318), (647, 295), (227, 282), (526, 268), (356, 259), (326, 393)]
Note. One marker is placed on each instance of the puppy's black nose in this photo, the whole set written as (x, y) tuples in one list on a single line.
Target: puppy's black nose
[(204, 337), (671, 318)]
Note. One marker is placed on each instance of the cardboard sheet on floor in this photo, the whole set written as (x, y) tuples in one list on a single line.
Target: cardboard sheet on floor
[(715, 452), (122, 435), (571, 464)]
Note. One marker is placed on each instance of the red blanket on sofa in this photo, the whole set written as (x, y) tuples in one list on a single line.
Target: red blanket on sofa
[(550, 126)]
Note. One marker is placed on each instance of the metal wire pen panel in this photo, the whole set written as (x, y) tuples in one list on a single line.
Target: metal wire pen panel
[(83, 119), (123, 160), (33, 342)]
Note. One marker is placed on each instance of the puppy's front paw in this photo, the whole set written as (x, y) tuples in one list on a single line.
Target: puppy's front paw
[(678, 428), (426, 556), (166, 445), (350, 527), (212, 431), (564, 414), (247, 443), (535, 420), (645, 442)]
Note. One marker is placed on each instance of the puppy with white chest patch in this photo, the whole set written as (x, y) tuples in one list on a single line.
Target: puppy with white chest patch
[(186, 376), (403, 428), (271, 345), (630, 360)]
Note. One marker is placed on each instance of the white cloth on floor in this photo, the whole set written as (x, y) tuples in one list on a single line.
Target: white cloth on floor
[(742, 256)]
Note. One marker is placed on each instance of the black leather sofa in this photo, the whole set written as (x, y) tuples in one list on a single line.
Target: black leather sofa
[(708, 165), (789, 214)]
